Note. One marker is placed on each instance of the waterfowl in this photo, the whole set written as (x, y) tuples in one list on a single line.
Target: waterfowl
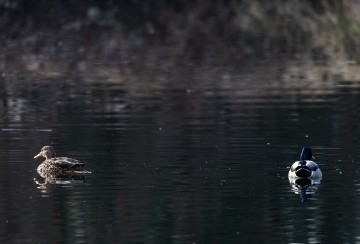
[(305, 168), (57, 165)]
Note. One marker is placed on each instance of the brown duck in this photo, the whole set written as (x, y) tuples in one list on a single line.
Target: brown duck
[(57, 165)]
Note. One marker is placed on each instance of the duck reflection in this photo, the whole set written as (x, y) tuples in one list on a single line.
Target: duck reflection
[(60, 179), (305, 187), (65, 179)]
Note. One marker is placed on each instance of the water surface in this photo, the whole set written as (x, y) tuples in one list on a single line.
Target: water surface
[(182, 164)]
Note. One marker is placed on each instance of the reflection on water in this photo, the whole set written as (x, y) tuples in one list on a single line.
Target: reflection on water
[(192, 164), (304, 187), (45, 182)]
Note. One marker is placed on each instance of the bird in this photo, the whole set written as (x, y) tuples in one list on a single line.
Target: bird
[(57, 165), (305, 168)]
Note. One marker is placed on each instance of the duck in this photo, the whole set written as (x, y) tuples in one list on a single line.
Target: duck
[(57, 165), (305, 168)]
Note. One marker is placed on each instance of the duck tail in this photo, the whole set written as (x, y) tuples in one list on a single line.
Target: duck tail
[(303, 171)]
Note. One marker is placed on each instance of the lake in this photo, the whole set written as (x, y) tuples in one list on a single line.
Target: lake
[(198, 156)]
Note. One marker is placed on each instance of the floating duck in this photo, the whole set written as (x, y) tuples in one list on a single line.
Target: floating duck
[(57, 165), (305, 168)]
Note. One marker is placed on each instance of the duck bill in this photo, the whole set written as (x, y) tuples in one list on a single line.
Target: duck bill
[(39, 155)]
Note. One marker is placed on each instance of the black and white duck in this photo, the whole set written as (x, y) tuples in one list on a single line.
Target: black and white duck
[(306, 167)]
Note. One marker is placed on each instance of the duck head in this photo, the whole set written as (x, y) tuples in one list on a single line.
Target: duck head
[(306, 154), (46, 152)]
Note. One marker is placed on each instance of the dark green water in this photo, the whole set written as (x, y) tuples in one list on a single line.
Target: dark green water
[(204, 164)]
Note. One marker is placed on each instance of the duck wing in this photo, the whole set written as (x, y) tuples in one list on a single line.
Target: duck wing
[(67, 163), (295, 165), (312, 165)]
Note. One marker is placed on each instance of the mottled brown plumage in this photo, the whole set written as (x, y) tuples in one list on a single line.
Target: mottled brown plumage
[(57, 165)]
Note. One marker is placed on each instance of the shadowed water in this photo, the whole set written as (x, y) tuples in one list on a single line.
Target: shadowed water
[(197, 164)]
